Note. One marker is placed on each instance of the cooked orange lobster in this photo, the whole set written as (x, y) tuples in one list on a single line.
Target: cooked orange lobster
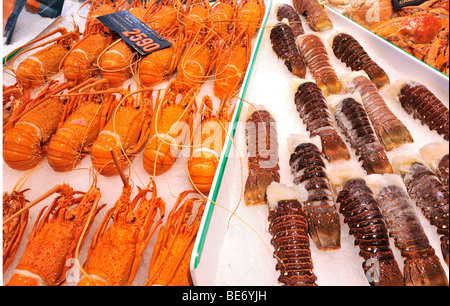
[(249, 15), (221, 17), (125, 134), (13, 231), (40, 66), (55, 236), (231, 65), (207, 145), (77, 132), (171, 125), (81, 62), (195, 15), (196, 63), (116, 249), (170, 261), (159, 66), (30, 127)]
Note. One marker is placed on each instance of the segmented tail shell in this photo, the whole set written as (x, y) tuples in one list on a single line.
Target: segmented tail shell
[(262, 149), (430, 195), (22, 145), (316, 56), (315, 13), (443, 171), (354, 122), (349, 51), (418, 100), (65, 149), (422, 266), (313, 109), (362, 214), (287, 11), (284, 46), (115, 64), (309, 171), (289, 228), (391, 132)]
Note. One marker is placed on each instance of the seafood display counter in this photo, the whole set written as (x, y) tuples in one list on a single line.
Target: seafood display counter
[(234, 244), (239, 243)]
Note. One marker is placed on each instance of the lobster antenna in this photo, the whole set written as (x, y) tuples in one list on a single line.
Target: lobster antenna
[(116, 162)]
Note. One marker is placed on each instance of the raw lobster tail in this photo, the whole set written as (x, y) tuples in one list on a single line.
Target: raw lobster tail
[(422, 104), (262, 149), (309, 171), (313, 109), (367, 225), (316, 56), (353, 121), (315, 14), (349, 51), (287, 11), (284, 46), (391, 132), (422, 266), (430, 195), (13, 230), (289, 228), (436, 155)]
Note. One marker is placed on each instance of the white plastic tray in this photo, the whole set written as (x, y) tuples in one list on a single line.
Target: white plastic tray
[(236, 250)]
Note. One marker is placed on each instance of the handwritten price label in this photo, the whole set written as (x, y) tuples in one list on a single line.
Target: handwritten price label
[(134, 32)]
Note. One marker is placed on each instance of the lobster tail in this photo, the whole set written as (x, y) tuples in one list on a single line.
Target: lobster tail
[(289, 228), (64, 151), (314, 111), (262, 149), (158, 155), (309, 171), (424, 271), (22, 147)]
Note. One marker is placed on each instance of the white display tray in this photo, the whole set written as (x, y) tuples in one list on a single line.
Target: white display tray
[(235, 249)]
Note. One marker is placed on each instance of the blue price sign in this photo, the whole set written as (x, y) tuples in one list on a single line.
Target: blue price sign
[(134, 32)]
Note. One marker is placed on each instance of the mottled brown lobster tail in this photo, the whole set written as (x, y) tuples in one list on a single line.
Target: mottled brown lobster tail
[(430, 195), (289, 228), (308, 169), (354, 122), (284, 46), (350, 52), (418, 100), (391, 132), (262, 150), (287, 11), (316, 56), (422, 266), (315, 13), (443, 171), (367, 225), (313, 110)]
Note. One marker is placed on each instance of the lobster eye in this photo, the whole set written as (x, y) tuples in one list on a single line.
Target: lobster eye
[(71, 217)]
